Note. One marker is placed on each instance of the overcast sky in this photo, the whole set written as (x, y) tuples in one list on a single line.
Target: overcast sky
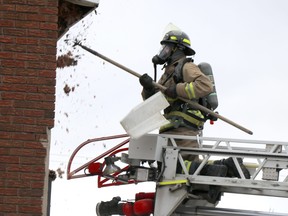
[(245, 41)]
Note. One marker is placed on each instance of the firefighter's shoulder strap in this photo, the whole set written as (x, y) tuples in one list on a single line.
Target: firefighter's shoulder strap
[(178, 73)]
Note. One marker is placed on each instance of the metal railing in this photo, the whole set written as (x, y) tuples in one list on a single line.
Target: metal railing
[(258, 156)]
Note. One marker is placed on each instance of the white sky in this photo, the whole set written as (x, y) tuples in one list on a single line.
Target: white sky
[(246, 43)]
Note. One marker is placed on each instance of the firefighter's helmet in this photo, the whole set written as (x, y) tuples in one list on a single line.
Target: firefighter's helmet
[(180, 38)]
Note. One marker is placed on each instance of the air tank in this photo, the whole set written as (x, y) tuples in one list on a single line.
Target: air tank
[(211, 99)]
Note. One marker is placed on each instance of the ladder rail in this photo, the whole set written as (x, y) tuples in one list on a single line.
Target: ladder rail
[(258, 152)]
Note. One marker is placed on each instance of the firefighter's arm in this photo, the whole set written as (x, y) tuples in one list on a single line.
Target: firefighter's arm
[(195, 85)]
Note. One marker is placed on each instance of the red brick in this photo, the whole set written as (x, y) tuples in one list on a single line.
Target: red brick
[(17, 183), (51, 3), (34, 129), (4, 151), (4, 136), (27, 72), (32, 176), (7, 208), (36, 17), (25, 168), (2, 181), (5, 143), (33, 112), (12, 47), (27, 160), (11, 128), (41, 81), (6, 6), (7, 23), (12, 64), (9, 175), (47, 73), (27, 57), (37, 33), (22, 200), (9, 159), (11, 15), (37, 49), (22, 152), (47, 89), (6, 55), (24, 120), (16, 1), (34, 144), (8, 191), (51, 18), (27, 24), (6, 103), (33, 104), (14, 79), (10, 111), (5, 119), (28, 41), (18, 88), (40, 97), (45, 121), (29, 208), (30, 192), (13, 95), (49, 10), (6, 39), (37, 184), (36, 65), (37, 2), (48, 26), (14, 144), (27, 8), (15, 32), (24, 137), (50, 51)]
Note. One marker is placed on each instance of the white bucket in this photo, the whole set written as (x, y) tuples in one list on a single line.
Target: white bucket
[(146, 117)]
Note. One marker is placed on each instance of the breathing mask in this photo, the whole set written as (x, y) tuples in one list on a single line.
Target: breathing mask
[(164, 53)]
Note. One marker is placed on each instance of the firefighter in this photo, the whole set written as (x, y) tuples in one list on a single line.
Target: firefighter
[(183, 79)]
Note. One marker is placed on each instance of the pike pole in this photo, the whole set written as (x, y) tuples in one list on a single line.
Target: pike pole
[(162, 88)]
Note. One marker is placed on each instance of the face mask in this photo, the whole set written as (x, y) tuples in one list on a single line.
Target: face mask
[(164, 53)]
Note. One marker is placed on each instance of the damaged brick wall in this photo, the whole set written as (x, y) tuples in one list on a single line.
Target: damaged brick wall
[(28, 38), (69, 14)]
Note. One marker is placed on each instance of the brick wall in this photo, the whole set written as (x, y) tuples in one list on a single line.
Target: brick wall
[(28, 37)]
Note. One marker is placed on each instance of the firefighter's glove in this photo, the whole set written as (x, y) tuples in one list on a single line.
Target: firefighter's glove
[(171, 92), (147, 82)]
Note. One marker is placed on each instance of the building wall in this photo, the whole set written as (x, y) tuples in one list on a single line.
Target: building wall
[(28, 38)]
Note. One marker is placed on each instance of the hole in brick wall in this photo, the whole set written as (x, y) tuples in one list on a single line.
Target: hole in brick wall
[(69, 14)]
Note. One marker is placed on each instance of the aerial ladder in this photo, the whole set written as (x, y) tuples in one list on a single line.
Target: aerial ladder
[(157, 158)]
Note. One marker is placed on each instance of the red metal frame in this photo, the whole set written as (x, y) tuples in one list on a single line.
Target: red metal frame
[(102, 180)]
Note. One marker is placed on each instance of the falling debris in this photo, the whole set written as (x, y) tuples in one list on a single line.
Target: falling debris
[(66, 60), (60, 172), (67, 89)]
